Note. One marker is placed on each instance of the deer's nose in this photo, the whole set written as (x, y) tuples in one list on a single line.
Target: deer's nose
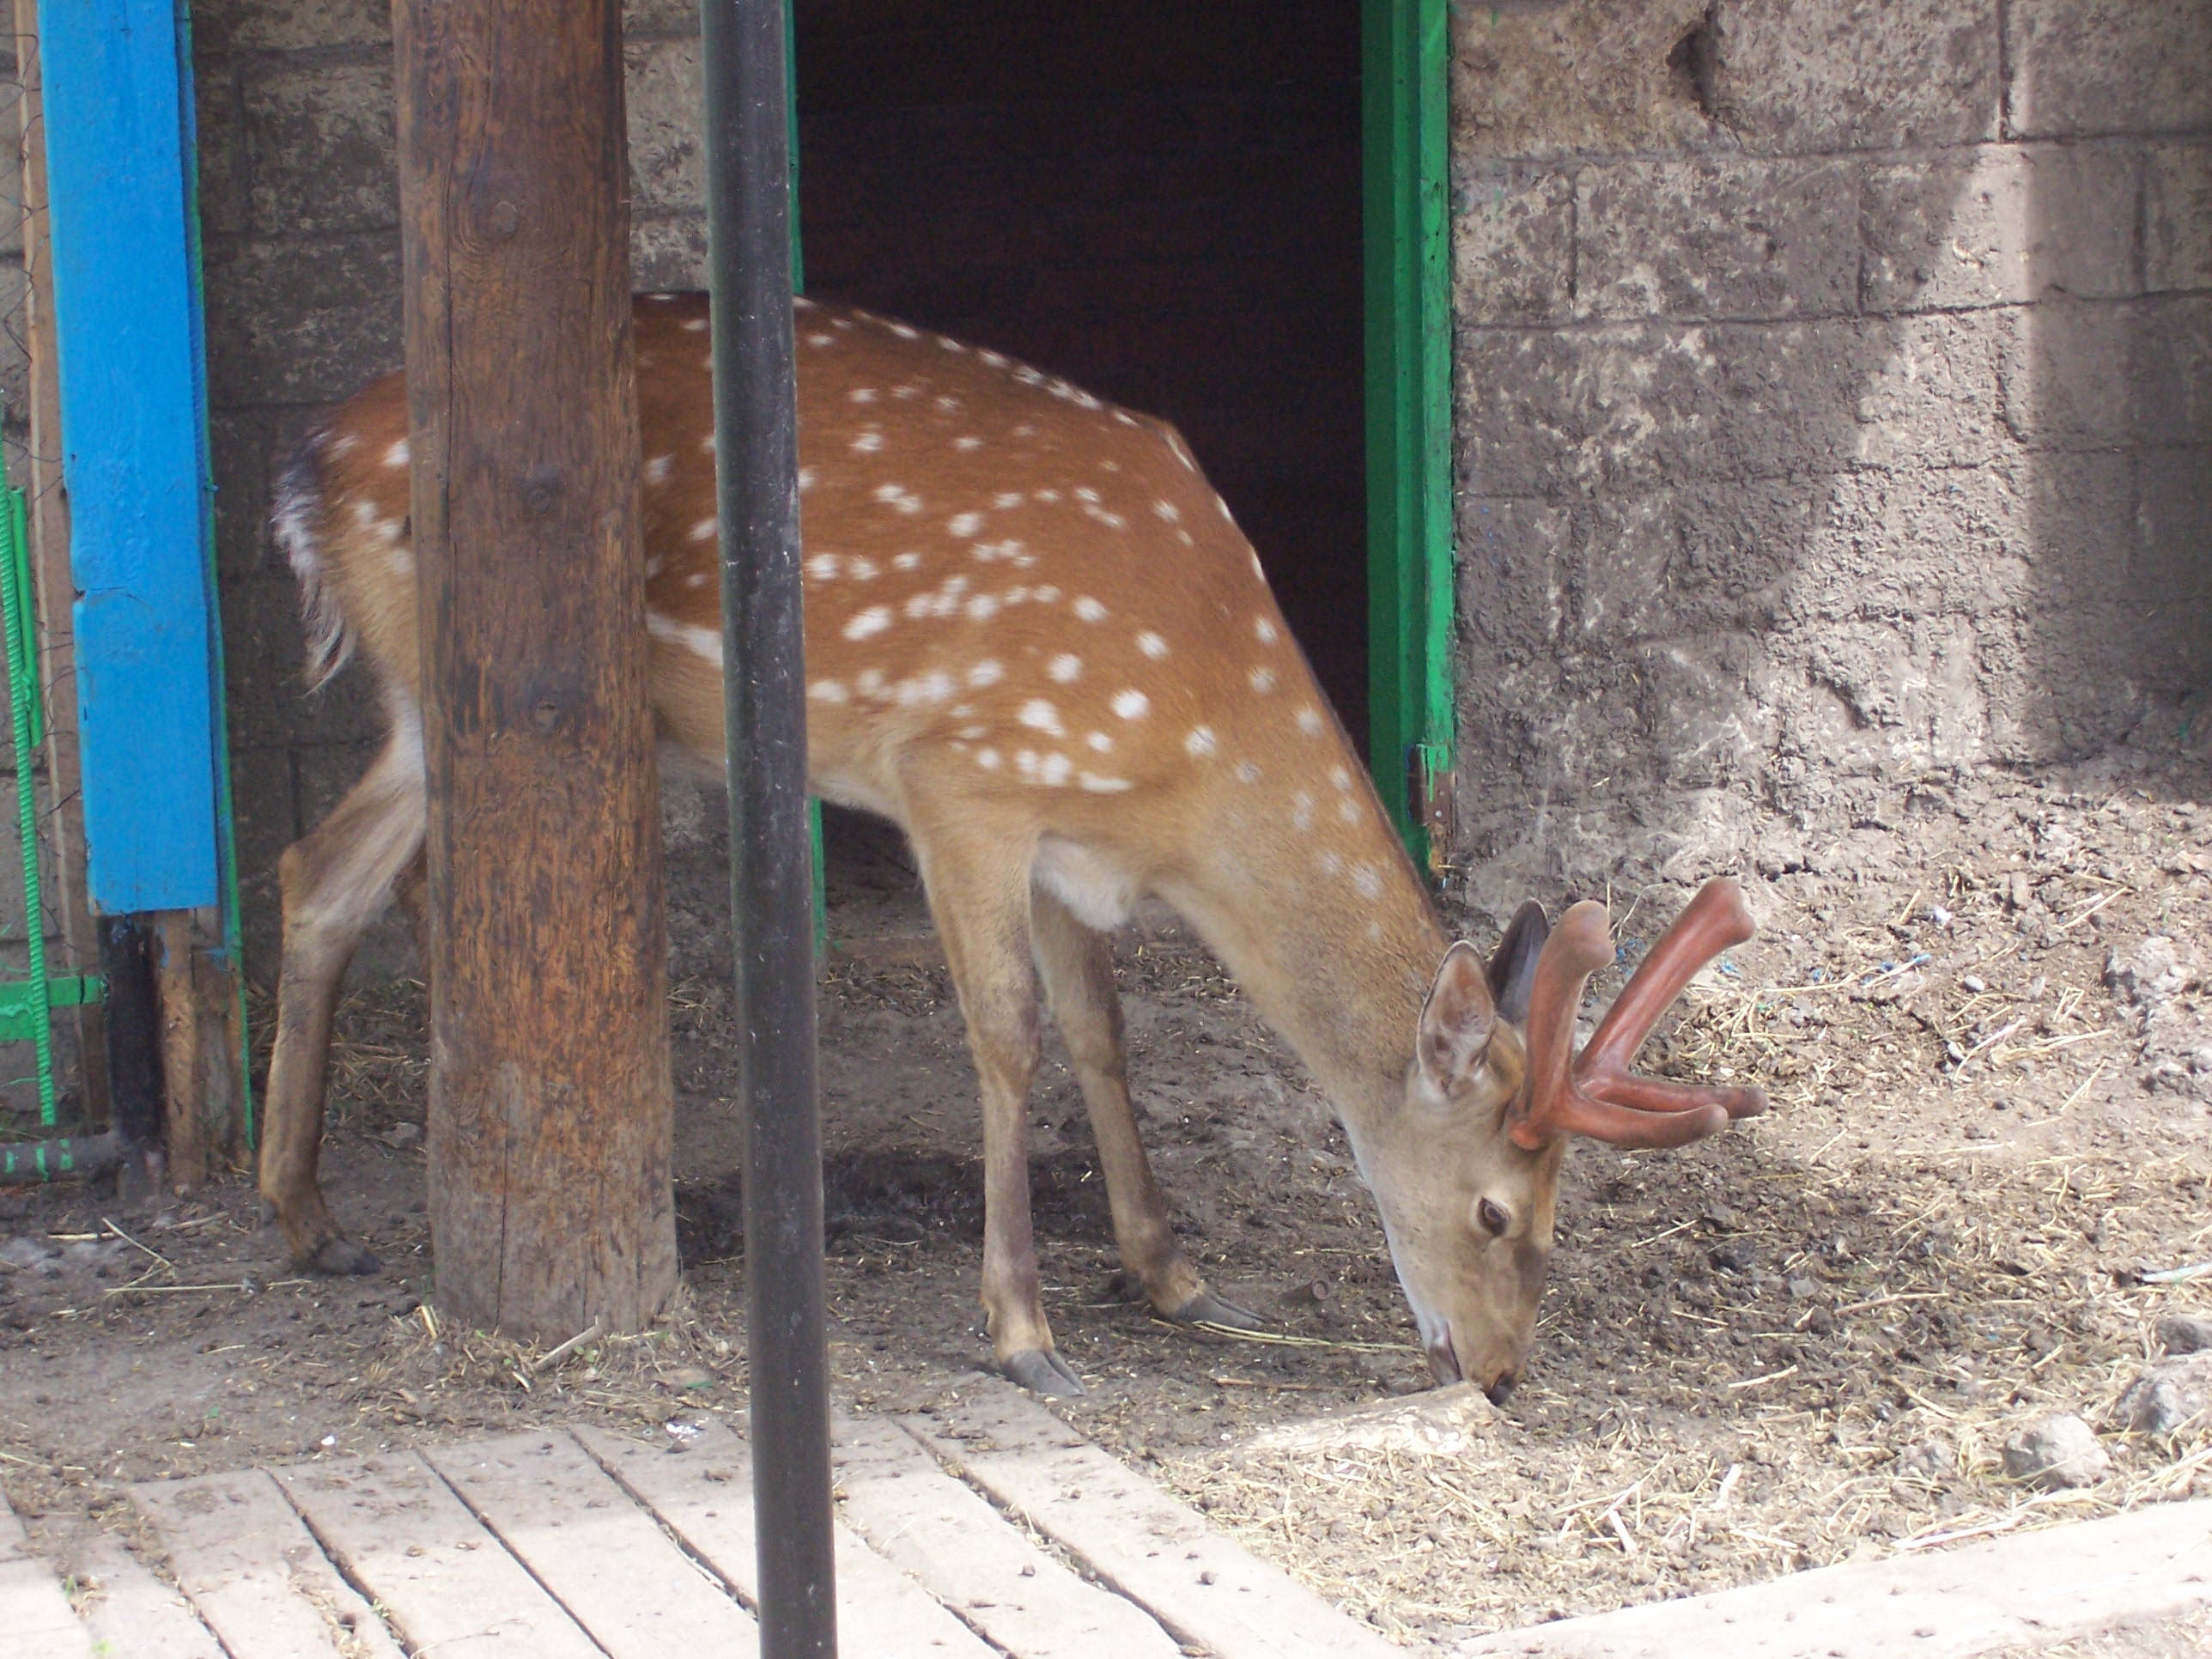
[(1501, 1387)]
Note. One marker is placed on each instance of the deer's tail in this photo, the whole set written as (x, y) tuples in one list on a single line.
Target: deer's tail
[(300, 520)]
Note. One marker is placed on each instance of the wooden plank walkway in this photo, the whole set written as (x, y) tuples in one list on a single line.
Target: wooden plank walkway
[(581, 1543)]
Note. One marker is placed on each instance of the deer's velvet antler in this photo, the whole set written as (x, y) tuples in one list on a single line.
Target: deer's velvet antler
[(1594, 1094)]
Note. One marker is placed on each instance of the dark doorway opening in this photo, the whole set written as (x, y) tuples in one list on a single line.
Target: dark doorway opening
[(1158, 199)]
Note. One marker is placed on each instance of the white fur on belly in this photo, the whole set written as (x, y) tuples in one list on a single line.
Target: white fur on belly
[(1097, 892)]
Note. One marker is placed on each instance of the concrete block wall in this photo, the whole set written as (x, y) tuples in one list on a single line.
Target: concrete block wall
[(1834, 412)]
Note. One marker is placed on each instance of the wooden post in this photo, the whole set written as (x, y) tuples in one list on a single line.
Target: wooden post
[(551, 1114), (184, 1093)]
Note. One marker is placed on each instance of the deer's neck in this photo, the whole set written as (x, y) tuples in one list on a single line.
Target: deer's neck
[(1326, 927)]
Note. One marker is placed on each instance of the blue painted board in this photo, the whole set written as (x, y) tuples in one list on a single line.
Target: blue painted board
[(118, 98)]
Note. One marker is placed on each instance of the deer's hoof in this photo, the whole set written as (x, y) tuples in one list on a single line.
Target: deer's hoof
[(340, 1257), (1207, 1309), (1043, 1371)]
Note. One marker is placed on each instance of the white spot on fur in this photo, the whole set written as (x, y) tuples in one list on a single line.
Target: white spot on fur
[(967, 443), (1098, 786), (932, 687), (1200, 742), (986, 672), (398, 455), (806, 478), (1263, 681), (1130, 705), (1348, 810), (1101, 742), (1151, 644), (822, 567), (1264, 630), (1340, 778), (657, 469), (1309, 721), (982, 608), (706, 529), (1090, 610), (706, 642), (1167, 510), (1302, 809), (1367, 882), (695, 325), (1042, 716), (1065, 667), (861, 394), (964, 524), (872, 621), (868, 442), (829, 691), (1247, 772), (987, 759)]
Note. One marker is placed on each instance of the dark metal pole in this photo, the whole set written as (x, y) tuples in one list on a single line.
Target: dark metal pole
[(133, 1055), (756, 471)]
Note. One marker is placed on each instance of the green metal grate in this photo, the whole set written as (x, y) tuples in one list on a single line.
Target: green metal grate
[(27, 1005)]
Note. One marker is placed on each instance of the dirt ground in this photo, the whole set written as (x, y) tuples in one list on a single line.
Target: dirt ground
[(1985, 1026)]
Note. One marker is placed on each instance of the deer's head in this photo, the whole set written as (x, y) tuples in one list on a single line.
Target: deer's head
[(1471, 1167)]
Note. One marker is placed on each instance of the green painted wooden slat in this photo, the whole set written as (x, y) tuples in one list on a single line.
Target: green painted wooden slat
[(1406, 53)]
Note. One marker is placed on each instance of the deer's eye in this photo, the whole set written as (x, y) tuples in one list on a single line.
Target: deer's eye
[(1493, 1218)]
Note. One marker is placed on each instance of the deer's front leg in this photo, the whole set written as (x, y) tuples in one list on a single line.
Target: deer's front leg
[(1077, 965), (978, 885)]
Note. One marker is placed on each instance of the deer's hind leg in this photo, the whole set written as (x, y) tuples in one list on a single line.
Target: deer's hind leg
[(1077, 965), (336, 882)]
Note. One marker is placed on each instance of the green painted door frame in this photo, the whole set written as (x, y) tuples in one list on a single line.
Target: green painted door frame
[(1405, 55)]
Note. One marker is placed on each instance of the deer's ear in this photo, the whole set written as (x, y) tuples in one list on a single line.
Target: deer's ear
[(1513, 965), (1457, 1022)]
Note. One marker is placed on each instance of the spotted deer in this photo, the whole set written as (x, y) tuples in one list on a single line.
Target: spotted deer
[(1037, 641)]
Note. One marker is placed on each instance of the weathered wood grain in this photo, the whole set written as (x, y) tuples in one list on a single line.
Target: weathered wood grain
[(1208, 1591), (551, 1104), (37, 1619), (447, 1585), (704, 1495), (133, 1615), (256, 1574), (583, 1538), (899, 1498)]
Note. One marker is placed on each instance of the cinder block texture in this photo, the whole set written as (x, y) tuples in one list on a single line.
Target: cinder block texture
[(2002, 225), (2178, 217), (1830, 75), (1871, 444), (2081, 67)]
